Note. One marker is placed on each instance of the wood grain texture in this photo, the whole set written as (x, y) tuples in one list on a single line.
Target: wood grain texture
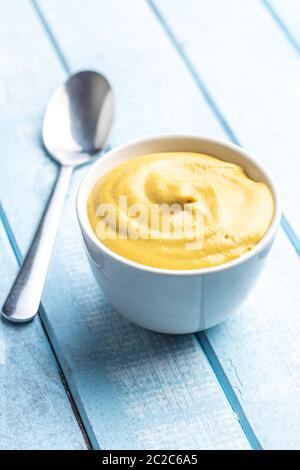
[(253, 74), (35, 412), (134, 389)]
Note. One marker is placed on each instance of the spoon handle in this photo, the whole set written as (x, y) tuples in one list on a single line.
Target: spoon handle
[(23, 300)]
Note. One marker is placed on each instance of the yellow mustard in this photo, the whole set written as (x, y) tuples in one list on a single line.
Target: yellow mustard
[(216, 212)]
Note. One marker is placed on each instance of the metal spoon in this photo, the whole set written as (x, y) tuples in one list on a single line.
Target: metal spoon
[(76, 124)]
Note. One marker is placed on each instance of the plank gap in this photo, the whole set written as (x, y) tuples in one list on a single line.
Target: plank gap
[(199, 81), (228, 390), (51, 36), (282, 26)]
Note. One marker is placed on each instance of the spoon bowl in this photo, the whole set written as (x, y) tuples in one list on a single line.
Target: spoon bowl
[(78, 118)]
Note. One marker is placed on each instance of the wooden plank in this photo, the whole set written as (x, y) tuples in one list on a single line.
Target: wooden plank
[(252, 76), (35, 410), (133, 388)]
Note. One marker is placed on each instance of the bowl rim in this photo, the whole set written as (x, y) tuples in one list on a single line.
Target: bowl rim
[(87, 231)]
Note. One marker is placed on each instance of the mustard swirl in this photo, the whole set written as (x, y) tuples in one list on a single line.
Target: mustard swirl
[(236, 211)]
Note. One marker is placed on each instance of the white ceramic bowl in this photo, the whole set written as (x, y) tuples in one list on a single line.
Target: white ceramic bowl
[(165, 300)]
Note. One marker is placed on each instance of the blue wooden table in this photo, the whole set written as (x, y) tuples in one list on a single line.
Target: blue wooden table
[(81, 376)]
